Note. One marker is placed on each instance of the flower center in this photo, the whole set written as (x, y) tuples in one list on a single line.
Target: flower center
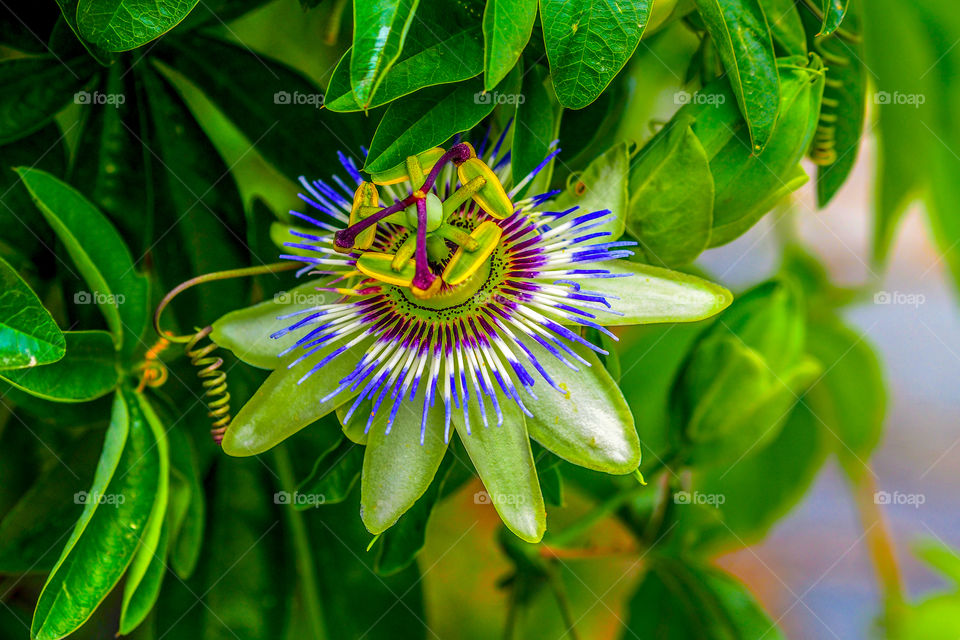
[(428, 219)]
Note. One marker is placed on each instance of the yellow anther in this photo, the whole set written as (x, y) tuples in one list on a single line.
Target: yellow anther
[(378, 266), (464, 263), (491, 196)]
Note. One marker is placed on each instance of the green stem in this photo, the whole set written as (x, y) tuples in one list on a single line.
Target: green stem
[(602, 511), (298, 531), (880, 545), (333, 22), (510, 624), (556, 585)]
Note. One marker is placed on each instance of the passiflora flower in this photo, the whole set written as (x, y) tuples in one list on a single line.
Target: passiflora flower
[(440, 303)]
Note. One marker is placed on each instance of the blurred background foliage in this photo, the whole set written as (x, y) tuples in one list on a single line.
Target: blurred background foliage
[(154, 142)]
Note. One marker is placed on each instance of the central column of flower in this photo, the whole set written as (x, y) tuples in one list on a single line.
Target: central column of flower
[(423, 213)]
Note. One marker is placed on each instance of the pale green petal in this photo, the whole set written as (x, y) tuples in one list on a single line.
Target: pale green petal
[(397, 469), (652, 294), (504, 460), (246, 332), (590, 425), (281, 407)]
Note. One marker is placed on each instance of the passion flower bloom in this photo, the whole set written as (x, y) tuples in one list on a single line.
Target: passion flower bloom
[(439, 303)]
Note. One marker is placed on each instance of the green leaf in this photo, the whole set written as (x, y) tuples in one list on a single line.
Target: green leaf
[(850, 397), (35, 89), (281, 406), (99, 254), (334, 475), (246, 332), (749, 509), (87, 371), (654, 355), (643, 294), (186, 528), (244, 573), (747, 185), (28, 334), (585, 133), (768, 318), (786, 26), (115, 169), (107, 534), (677, 600), (34, 528), (121, 25), (743, 39), (833, 13), (507, 25), (198, 204), (380, 28), (733, 403), (939, 556), (589, 422), (504, 462), (24, 235), (898, 52), (399, 466), (263, 98), (535, 127), (745, 374), (68, 10), (142, 584), (671, 196), (588, 43), (603, 186), (427, 119), (456, 57)]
